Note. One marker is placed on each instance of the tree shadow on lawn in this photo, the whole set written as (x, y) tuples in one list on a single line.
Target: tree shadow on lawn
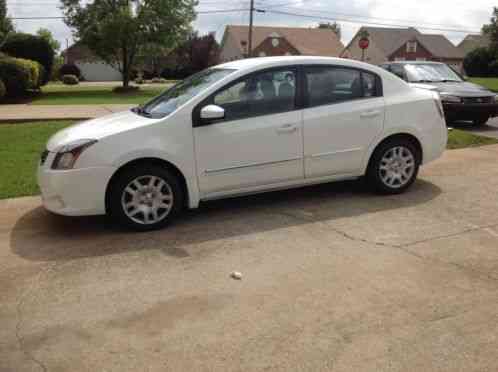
[(41, 236)]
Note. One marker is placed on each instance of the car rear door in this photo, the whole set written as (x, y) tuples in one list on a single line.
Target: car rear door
[(344, 112), (259, 142)]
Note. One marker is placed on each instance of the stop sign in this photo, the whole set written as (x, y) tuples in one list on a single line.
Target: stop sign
[(364, 43)]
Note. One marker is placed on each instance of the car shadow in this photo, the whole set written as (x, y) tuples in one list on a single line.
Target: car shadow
[(471, 127), (41, 236)]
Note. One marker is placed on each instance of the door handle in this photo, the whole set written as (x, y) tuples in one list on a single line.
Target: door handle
[(370, 114), (288, 128)]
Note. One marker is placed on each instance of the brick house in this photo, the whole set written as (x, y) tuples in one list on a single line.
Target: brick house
[(278, 41), (404, 44)]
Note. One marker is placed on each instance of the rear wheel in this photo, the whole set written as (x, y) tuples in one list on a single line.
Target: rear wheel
[(394, 166), (145, 198)]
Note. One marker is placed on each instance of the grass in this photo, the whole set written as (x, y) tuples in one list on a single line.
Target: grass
[(20, 149), (459, 139), (22, 144), (59, 94), (490, 83)]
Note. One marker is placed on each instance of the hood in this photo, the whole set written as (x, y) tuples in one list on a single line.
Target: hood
[(460, 89), (98, 128)]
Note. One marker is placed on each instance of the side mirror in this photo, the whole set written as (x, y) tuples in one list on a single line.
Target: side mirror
[(212, 113)]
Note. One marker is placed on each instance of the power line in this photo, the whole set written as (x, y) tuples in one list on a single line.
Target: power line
[(369, 17), (363, 22)]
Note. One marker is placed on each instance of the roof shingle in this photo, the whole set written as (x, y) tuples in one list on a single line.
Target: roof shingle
[(308, 41)]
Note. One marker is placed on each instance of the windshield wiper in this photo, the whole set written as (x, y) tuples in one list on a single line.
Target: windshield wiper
[(450, 81)]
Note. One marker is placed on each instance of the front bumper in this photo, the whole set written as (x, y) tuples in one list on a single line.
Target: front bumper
[(463, 111), (75, 192)]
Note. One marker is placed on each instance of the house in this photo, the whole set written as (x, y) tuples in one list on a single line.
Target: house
[(472, 42), (92, 68), (278, 41), (400, 44)]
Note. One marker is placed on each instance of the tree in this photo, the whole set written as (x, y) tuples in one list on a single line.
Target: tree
[(336, 27), (5, 23), (45, 34), (491, 29), (196, 53), (117, 31)]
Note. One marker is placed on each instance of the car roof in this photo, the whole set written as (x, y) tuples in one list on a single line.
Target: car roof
[(262, 62)]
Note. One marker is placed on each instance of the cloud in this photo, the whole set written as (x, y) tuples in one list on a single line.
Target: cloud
[(457, 14)]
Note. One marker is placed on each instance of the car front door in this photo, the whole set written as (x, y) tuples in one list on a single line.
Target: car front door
[(259, 141), (344, 113)]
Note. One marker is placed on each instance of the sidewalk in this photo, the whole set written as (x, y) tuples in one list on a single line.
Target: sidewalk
[(22, 112)]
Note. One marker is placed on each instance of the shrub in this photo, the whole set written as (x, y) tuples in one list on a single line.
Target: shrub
[(70, 79), (139, 81), (31, 47), (480, 62), (125, 90), (70, 69), (19, 75), (3, 91)]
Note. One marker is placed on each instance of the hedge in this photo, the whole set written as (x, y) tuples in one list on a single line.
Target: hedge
[(20, 75), (3, 91), (69, 69), (70, 79), (31, 47)]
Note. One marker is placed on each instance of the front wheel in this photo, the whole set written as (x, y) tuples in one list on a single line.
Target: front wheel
[(394, 166), (481, 121), (145, 198)]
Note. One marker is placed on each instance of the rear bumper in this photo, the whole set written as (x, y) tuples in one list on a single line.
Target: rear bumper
[(460, 111)]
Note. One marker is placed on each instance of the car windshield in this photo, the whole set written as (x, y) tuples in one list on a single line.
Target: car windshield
[(182, 92), (430, 73)]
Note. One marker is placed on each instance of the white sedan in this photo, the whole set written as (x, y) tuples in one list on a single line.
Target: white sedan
[(244, 127)]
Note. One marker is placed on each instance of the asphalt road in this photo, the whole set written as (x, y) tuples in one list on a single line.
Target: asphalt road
[(334, 278)]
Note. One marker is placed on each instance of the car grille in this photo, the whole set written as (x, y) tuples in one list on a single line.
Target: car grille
[(478, 100), (43, 157)]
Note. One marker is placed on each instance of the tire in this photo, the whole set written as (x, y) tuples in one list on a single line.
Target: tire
[(145, 198), (377, 174), (480, 121)]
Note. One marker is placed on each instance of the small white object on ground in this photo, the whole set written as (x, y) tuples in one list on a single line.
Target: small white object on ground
[(450, 129), (236, 275)]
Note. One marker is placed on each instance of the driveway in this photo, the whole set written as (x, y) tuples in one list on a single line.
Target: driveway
[(333, 278)]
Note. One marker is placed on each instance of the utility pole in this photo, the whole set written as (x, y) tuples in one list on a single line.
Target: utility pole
[(251, 12)]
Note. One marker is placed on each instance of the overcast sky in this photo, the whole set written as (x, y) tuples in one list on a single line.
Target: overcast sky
[(438, 14)]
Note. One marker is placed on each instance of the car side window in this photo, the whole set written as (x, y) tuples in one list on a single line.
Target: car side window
[(264, 93), (328, 85), (369, 84)]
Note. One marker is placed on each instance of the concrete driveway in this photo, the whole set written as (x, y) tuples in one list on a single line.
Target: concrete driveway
[(333, 278)]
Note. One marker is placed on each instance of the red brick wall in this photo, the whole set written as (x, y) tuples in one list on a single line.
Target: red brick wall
[(267, 47)]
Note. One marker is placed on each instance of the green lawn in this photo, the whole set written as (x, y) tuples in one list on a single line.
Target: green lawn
[(59, 94), (459, 139), (22, 144), (490, 83), (20, 149)]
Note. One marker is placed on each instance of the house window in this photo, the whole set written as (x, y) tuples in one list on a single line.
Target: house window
[(275, 42), (262, 54), (411, 47)]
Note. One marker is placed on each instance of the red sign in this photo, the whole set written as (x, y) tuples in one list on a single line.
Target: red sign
[(364, 43)]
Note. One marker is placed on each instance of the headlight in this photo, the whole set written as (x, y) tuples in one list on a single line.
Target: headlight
[(68, 154), (448, 98)]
